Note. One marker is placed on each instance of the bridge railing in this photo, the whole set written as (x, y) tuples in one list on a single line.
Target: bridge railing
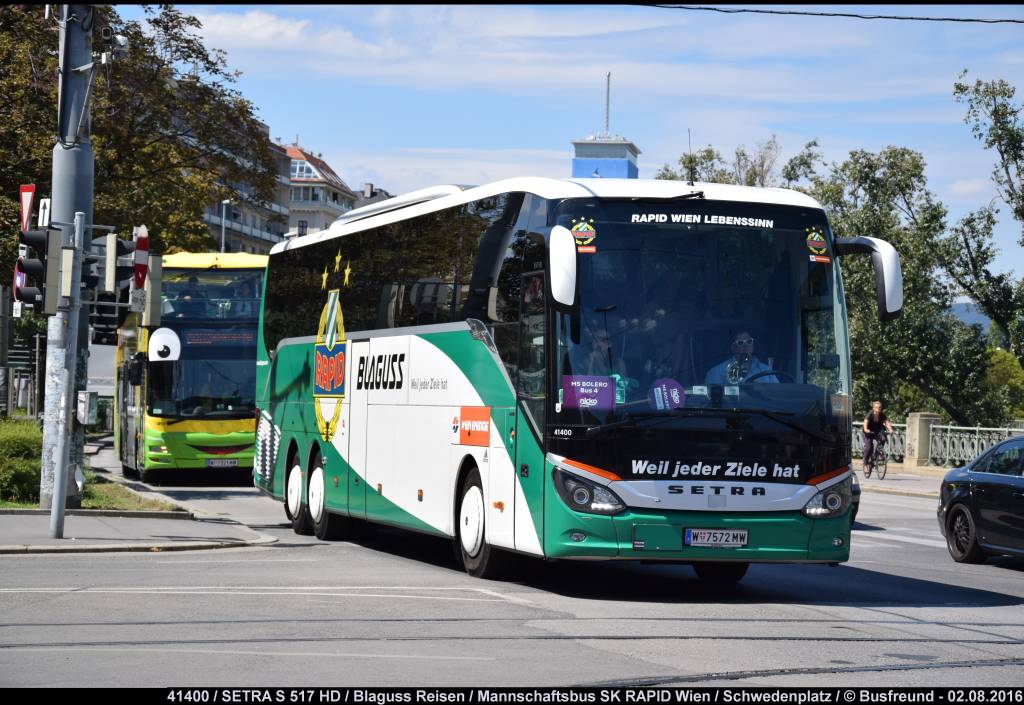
[(957, 445), (895, 443)]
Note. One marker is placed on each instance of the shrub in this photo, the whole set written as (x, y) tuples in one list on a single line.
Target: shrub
[(21, 448)]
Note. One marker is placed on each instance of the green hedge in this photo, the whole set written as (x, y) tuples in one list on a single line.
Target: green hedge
[(21, 448)]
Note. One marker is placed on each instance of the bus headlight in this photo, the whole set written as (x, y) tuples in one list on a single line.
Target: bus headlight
[(584, 496), (831, 502)]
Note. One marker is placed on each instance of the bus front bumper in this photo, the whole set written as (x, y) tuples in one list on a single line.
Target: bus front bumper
[(192, 450), (788, 536)]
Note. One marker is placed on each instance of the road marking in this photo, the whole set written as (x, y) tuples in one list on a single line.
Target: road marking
[(225, 652), (885, 536), (389, 591)]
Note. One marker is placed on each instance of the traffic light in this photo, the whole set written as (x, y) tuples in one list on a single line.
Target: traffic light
[(106, 317), (112, 281), (113, 273), (37, 279)]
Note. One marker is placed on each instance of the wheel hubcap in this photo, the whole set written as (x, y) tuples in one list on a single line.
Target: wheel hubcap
[(471, 521), (316, 493), (294, 490), (961, 532)]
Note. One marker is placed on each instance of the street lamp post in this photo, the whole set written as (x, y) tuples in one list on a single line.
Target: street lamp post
[(223, 210)]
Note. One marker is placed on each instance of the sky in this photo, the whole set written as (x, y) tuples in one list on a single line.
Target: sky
[(407, 97)]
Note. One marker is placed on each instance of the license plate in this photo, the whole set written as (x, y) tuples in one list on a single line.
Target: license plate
[(718, 538), (222, 463)]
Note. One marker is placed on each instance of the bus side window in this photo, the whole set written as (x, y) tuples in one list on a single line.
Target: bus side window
[(503, 305)]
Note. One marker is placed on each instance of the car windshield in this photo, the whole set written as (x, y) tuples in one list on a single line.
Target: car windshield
[(701, 305), (214, 378)]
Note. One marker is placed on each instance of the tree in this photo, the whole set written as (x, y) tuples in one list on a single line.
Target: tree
[(756, 168), (169, 133), (968, 252)]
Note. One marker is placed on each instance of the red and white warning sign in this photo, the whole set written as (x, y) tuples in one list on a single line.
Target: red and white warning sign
[(141, 255), (27, 192)]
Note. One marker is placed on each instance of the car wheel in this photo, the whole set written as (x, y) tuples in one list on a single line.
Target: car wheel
[(326, 526), (961, 536), (721, 573), (294, 507), (478, 558)]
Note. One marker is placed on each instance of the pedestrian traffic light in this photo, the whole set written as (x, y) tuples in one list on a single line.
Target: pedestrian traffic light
[(37, 279)]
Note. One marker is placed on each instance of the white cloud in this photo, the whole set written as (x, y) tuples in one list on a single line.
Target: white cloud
[(972, 188)]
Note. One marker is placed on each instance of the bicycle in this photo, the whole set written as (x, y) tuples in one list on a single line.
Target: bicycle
[(879, 459)]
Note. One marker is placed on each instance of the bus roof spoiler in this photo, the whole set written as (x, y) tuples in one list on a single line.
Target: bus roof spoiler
[(404, 201)]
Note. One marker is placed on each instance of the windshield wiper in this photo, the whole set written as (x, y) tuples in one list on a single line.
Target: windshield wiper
[(630, 418)]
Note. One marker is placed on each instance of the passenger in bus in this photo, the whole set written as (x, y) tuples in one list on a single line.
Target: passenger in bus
[(595, 355), (191, 301), (741, 365), (245, 304)]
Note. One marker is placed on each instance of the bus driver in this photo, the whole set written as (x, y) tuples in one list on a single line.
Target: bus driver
[(742, 365)]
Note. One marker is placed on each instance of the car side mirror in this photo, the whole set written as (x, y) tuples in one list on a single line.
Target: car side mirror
[(888, 275)]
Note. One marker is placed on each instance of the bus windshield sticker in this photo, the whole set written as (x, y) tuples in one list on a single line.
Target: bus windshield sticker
[(666, 394), (815, 240), (705, 219), (584, 234), (588, 392), (819, 258)]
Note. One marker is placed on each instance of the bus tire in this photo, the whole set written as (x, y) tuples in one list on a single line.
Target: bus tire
[(128, 471), (294, 507), (150, 477), (326, 526), (478, 557), (721, 573)]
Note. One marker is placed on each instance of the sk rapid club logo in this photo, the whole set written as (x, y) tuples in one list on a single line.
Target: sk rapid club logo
[(584, 234), (329, 358), (815, 241)]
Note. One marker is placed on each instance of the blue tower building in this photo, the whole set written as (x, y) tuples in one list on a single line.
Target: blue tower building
[(605, 156)]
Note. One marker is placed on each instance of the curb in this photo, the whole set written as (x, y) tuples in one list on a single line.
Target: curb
[(905, 493), (126, 514), (138, 547)]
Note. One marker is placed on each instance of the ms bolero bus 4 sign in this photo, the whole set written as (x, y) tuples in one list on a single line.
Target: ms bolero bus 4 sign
[(618, 370)]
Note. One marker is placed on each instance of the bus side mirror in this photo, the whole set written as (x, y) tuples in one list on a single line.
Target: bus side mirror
[(888, 275), (562, 267)]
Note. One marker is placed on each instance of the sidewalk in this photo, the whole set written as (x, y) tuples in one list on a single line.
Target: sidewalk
[(912, 482), (28, 530)]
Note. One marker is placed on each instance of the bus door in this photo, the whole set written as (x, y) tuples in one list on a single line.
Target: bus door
[(129, 422), (529, 431)]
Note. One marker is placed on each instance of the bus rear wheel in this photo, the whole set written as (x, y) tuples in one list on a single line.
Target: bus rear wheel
[(721, 573), (294, 507), (326, 526), (478, 557)]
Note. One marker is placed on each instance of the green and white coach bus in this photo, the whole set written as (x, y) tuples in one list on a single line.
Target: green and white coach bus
[(569, 369)]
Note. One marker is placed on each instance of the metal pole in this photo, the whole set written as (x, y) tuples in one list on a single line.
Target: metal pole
[(223, 208), (72, 194), (67, 383)]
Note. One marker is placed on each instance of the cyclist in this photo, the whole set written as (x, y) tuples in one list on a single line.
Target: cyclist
[(873, 436)]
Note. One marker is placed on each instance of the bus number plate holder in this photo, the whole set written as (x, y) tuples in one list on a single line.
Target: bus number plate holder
[(222, 463), (715, 538)]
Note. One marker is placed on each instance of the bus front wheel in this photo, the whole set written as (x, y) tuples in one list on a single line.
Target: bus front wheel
[(294, 507), (478, 557), (326, 526), (721, 573)]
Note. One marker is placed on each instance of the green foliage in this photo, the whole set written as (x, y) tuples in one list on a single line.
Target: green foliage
[(21, 445), (166, 143), (1005, 378)]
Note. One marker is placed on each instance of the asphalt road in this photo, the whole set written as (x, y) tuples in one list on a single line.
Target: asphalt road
[(389, 609)]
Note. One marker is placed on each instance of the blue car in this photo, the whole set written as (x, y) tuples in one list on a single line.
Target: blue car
[(981, 505)]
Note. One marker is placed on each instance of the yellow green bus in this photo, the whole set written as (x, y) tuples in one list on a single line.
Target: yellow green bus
[(185, 390)]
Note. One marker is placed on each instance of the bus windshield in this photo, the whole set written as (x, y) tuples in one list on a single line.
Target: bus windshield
[(695, 309), (215, 377), (203, 294)]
